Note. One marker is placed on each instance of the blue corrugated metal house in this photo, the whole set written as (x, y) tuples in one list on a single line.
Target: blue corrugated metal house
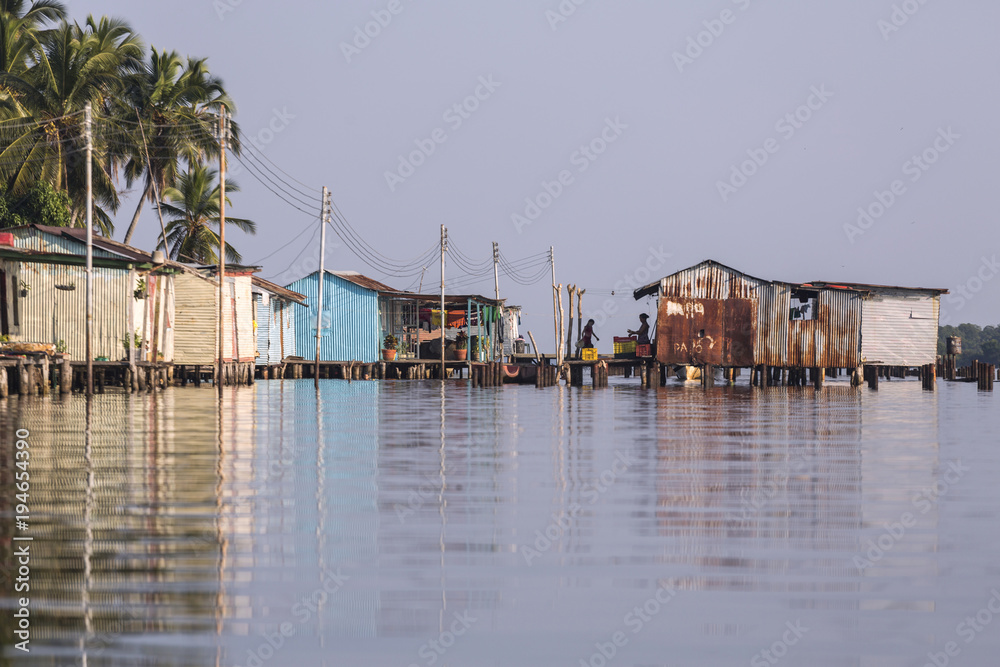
[(274, 313), (351, 324)]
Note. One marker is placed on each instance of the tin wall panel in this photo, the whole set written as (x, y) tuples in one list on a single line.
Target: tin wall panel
[(695, 332), (196, 313), (899, 329), (262, 315), (771, 348), (350, 324), (54, 307), (244, 338)]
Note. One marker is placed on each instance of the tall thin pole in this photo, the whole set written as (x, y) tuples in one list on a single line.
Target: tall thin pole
[(444, 318), (496, 289), (222, 242), (496, 273), (322, 277), (89, 139), (555, 307)]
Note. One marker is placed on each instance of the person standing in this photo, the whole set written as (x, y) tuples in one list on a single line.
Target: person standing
[(643, 331)]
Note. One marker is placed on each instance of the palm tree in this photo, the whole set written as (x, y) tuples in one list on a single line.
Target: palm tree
[(20, 28), (173, 107), (194, 209), (41, 124)]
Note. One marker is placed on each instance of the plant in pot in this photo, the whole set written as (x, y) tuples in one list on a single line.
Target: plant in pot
[(389, 346), (461, 346), (475, 348)]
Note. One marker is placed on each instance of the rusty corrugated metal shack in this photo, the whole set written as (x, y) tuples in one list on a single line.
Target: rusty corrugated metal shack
[(712, 314)]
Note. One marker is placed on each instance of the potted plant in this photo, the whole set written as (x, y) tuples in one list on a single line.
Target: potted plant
[(461, 346), (475, 348), (389, 346)]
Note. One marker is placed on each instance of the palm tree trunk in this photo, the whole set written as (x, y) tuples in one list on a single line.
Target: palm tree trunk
[(138, 211)]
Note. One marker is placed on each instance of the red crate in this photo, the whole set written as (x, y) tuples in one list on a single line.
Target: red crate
[(643, 350)]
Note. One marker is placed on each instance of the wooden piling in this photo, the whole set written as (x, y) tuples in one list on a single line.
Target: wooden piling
[(818, 375), (4, 387)]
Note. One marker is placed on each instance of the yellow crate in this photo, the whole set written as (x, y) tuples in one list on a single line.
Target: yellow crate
[(589, 354), (625, 347)]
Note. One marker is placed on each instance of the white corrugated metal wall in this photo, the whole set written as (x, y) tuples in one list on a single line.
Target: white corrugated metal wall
[(54, 306), (899, 329), (196, 320), (262, 315)]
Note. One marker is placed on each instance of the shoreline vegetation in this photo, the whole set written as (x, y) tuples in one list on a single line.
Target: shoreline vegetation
[(155, 129)]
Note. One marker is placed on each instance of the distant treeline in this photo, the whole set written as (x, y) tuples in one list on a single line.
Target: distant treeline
[(977, 343)]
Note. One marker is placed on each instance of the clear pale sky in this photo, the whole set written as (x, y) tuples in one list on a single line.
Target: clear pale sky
[(830, 102)]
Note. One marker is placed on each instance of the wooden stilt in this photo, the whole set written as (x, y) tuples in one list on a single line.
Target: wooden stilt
[(4, 387)]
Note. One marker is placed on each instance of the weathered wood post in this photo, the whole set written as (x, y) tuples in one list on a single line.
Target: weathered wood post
[(4, 388), (818, 375), (22, 377), (856, 378)]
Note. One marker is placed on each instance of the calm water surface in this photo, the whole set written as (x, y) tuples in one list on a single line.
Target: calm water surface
[(406, 523)]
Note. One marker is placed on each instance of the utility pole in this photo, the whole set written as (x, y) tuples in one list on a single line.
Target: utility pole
[(88, 134), (496, 273), (444, 318), (555, 306), (323, 219), (496, 288), (223, 129)]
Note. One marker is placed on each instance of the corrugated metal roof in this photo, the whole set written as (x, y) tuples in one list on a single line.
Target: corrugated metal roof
[(363, 281), (862, 287), (277, 290)]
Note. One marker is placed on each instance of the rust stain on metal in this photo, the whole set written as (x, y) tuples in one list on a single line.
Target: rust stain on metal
[(720, 332)]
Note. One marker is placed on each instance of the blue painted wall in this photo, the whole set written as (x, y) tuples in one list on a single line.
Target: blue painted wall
[(351, 327)]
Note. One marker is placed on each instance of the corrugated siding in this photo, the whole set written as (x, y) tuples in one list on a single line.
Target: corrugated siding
[(899, 329), (832, 340), (281, 337), (351, 327), (710, 281), (195, 320), (772, 324), (245, 341), (262, 311), (48, 315), (34, 239)]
